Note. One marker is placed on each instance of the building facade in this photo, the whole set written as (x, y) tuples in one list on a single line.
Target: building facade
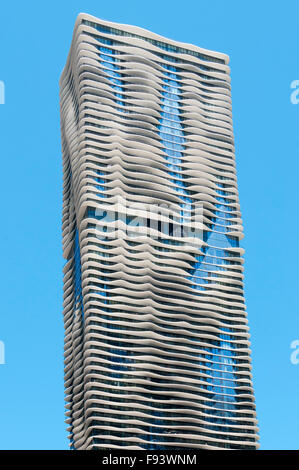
[(157, 352)]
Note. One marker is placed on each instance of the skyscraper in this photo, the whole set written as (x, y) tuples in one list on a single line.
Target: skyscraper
[(156, 336)]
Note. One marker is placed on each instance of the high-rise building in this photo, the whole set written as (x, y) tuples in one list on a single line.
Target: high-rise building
[(156, 335)]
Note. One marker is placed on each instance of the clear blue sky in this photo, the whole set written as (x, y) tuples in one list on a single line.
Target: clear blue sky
[(262, 41)]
